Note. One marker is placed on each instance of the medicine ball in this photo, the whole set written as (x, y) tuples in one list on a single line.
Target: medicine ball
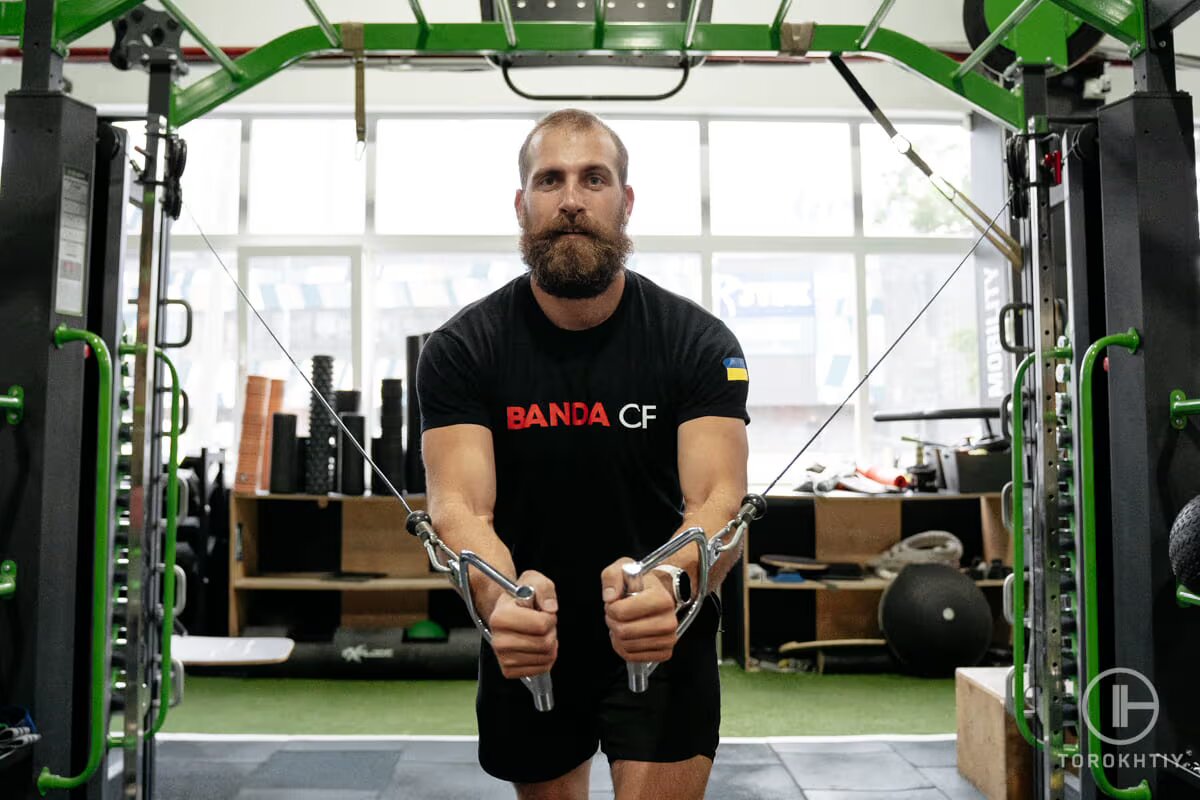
[(935, 619), (1185, 545)]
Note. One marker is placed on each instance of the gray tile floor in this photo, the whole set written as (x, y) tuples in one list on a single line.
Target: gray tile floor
[(359, 769)]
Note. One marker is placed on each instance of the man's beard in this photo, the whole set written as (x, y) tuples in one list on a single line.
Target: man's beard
[(575, 267)]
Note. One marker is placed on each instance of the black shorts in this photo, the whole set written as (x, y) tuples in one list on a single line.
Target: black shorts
[(677, 718)]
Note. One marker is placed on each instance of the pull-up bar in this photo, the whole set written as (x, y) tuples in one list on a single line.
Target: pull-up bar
[(600, 14), (693, 18), (876, 21), (993, 40), (214, 52), (330, 32), (506, 18)]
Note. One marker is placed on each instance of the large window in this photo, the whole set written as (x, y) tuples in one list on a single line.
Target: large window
[(813, 239), (307, 302)]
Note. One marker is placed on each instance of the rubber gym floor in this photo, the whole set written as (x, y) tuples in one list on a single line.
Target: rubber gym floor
[(784, 737)]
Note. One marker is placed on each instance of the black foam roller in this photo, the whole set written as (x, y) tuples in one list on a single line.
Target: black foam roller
[(347, 401), (318, 473), (284, 467), (414, 465), (388, 455), (349, 460)]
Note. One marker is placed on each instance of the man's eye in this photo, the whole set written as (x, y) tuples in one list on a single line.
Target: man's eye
[(595, 180), (546, 180)]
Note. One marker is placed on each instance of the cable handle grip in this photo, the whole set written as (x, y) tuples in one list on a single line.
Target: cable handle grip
[(634, 574), (458, 566)]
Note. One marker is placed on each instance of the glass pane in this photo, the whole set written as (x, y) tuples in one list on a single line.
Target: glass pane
[(305, 177), (936, 366), (208, 365), (897, 199), (794, 315), (781, 179), (414, 293), (211, 179), (306, 301), (676, 272), (664, 171), (447, 177)]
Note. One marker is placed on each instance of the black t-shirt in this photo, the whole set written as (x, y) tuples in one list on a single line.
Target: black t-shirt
[(583, 424)]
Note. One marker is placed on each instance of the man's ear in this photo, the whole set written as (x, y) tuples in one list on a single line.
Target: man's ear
[(518, 201), (628, 201)]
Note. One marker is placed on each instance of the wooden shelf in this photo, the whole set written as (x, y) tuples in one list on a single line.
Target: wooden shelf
[(864, 585), (317, 581)]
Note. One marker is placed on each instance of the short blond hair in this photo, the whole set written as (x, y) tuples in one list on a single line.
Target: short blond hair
[(573, 119)]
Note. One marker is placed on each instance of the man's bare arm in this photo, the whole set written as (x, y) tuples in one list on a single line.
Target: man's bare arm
[(460, 468), (712, 474)]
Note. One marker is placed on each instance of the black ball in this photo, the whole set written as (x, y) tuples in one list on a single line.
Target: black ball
[(935, 619), (1185, 545)]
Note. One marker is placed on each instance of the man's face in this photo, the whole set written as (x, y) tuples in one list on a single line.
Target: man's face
[(573, 211)]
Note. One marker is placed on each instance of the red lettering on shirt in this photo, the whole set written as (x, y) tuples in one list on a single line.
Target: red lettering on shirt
[(516, 418), (598, 417), (560, 411), (579, 413), (535, 417)]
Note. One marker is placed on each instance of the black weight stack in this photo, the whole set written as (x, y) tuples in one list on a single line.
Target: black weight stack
[(414, 465)]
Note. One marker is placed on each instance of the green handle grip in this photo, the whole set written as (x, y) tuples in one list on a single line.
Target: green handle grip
[(1018, 534), (63, 335), (172, 514), (1087, 470), (1186, 597), (8, 579), (169, 569)]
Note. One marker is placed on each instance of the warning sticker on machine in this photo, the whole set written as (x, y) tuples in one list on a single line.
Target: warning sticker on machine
[(72, 243)]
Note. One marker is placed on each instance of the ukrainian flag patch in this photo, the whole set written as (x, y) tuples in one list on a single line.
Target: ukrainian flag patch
[(735, 369)]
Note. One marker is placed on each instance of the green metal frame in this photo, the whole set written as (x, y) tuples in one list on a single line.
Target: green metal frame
[(1087, 471), (74, 18), (13, 405), (8, 579), (1018, 535), (172, 514), (63, 335)]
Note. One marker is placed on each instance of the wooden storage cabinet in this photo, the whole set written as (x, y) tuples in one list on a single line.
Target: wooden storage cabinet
[(852, 528), (301, 543)]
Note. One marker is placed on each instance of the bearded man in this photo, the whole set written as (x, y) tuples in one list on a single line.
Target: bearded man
[(573, 420)]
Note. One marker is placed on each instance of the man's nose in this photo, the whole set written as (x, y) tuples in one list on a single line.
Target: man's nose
[(571, 202)]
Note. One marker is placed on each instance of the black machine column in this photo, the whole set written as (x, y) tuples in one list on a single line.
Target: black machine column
[(1152, 282), (48, 178)]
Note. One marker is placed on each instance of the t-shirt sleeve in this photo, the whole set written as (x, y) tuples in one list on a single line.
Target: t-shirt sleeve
[(715, 378), (449, 388)]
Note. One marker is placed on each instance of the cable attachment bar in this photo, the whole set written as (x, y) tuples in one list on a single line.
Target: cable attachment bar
[(753, 507), (458, 567)]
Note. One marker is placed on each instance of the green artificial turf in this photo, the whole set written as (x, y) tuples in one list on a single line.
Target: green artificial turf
[(753, 704)]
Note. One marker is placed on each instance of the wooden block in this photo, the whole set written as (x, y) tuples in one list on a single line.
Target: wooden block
[(991, 753), (856, 529), (848, 614), (383, 609), (997, 541)]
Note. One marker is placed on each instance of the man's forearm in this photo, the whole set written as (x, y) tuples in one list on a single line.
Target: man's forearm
[(712, 515), (461, 529)]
